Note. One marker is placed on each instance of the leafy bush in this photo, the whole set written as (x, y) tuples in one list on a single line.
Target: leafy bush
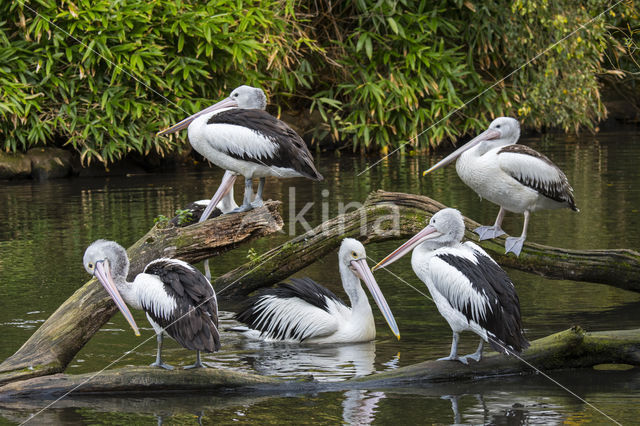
[(406, 65), (106, 76)]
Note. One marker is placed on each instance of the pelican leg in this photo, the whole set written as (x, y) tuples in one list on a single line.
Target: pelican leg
[(477, 355), (248, 196), (159, 362), (197, 364), (513, 244), (453, 356), (489, 232), (257, 202)]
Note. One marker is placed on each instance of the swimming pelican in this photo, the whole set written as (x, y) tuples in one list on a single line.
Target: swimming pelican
[(176, 297), (468, 287), (516, 177), (304, 311), (238, 135)]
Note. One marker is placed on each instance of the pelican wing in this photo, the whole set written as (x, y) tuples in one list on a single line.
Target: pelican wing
[(537, 172), (267, 139), (193, 322), (477, 286), (295, 311)]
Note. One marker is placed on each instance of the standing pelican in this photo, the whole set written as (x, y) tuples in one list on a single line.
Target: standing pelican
[(468, 287), (304, 311), (516, 177), (238, 135), (176, 297)]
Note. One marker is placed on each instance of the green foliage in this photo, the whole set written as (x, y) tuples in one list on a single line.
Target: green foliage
[(161, 219), (94, 74), (103, 77), (407, 65), (184, 216)]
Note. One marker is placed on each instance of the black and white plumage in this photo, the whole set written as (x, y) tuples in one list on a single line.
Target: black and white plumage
[(238, 135), (304, 311), (176, 297), (516, 177), (471, 291)]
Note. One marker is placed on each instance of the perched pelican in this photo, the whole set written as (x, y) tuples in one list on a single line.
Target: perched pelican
[(517, 178), (468, 287), (176, 297), (304, 311), (238, 135)]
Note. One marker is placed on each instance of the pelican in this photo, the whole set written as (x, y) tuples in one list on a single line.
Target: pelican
[(468, 287), (516, 177), (238, 135), (304, 311), (176, 297)]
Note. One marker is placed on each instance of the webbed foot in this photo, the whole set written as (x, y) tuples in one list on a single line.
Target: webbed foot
[(514, 245), (488, 232)]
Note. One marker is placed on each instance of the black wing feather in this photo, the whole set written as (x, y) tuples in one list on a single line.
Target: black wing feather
[(292, 151), (560, 191), (302, 288), (194, 323), (502, 320)]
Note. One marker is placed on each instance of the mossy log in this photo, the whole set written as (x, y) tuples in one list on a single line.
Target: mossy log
[(394, 215), (569, 349), (70, 327)]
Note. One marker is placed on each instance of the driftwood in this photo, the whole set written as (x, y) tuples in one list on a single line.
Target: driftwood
[(569, 349), (70, 327), (384, 216), (393, 215)]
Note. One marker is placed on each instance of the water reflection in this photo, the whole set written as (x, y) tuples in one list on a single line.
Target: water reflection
[(46, 227)]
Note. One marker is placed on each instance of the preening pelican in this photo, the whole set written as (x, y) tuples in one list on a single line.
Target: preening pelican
[(238, 135), (176, 297), (517, 178), (468, 287), (304, 311)]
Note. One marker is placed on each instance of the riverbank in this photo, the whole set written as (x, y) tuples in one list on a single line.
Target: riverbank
[(44, 163)]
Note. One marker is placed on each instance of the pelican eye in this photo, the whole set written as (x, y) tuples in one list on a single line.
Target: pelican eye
[(354, 254), (498, 126), (91, 266)]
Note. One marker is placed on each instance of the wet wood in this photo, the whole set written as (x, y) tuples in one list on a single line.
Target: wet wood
[(70, 327), (569, 349), (394, 215)]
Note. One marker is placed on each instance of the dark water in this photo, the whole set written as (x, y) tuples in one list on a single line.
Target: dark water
[(47, 226)]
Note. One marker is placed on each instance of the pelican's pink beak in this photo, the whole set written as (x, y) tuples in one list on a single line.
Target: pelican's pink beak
[(225, 186), (484, 136), (225, 103), (426, 234), (103, 274), (363, 272)]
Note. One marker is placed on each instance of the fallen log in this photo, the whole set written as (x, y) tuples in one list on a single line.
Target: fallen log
[(70, 327), (569, 349), (394, 215)]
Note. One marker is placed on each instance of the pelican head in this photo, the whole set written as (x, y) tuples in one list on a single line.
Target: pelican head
[(353, 256), (104, 260), (245, 97), (501, 132), (445, 228)]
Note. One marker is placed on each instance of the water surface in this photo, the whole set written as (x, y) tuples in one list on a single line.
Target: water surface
[(47, 226)]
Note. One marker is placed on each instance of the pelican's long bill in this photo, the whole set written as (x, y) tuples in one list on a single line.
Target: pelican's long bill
[(225, 186), (484, 136), (363, 272), (225, 103), (103, 274), (426, 234)]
